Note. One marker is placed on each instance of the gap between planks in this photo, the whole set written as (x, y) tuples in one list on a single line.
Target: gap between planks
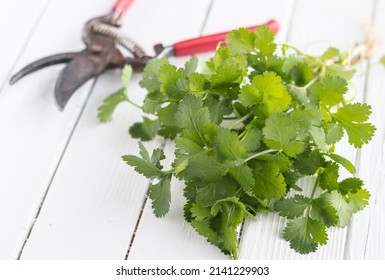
[(358, 153), (162, 146), (57, 167)]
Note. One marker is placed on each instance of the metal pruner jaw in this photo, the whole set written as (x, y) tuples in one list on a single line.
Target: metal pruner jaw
[(42, 63)]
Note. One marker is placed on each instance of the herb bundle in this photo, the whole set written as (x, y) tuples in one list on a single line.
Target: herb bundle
[(255, 121)]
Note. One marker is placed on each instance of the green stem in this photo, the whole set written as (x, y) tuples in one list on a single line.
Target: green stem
[(134, 104), (241, 120), (259, 154), (315, 186), (316, 78)]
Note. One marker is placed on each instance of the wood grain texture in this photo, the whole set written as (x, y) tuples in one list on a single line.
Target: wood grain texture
[(95, 199), (171, 237), (33, 132), (314, 28), (367, 231)]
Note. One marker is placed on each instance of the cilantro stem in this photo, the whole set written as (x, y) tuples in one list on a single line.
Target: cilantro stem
[(259, 154), (241, 120), (315, 186), (133, 103)]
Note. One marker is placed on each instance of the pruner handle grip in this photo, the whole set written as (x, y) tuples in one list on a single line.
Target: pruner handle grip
[(209, 42), (121, 6)]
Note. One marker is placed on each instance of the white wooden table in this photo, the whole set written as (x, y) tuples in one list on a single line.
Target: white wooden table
[(65, 193)]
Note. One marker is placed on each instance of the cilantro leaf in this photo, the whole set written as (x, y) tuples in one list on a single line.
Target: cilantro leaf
[(358, 200), (244, 176), (264, 40), (150, 75), (191, 66), (292, 207), (205, 167), (281, 133), (160, 195), (149, 167), (344, 162), (352, 118), (350, 185), (329, 91), (109, 105), (240, 40), (199, 212), (250, 96), (173, 81), (145, 130), (322, 211), (269, 182), (209, 194), (329, 177), (193, 116), (343, 209), (229, 146), (305, 234), (334, 133), (309, 162), (274, 94)]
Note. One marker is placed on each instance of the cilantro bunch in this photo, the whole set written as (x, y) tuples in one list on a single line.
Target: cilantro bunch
[(258, 118)]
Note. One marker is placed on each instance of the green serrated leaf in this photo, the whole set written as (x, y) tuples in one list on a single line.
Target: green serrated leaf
[(244, 176), (358, 200), (292, 207), (329, 91), (322, 211), (229, 146), (274, 94), (352, 118), (281, 133), (191, 65), (329, 177), (106, 110), (334, 133), (199, 212), (264, 40), (208, 194), (150, 75), (269, 182), (309, 162), (160, 196), (143, 167), (305, 234), (145, 130), (205, 168), (350, 185), (240, 41), (338, 202), (344, 162)]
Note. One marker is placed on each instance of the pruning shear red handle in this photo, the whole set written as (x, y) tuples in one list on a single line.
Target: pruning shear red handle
[(210, 42), (102, 36), (120, 7)]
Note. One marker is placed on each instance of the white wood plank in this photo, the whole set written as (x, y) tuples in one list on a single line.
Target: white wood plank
[(171, 237), (368, 228), (33, 132), (316, 25), (94, 201), (17, 22)]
